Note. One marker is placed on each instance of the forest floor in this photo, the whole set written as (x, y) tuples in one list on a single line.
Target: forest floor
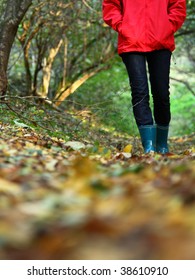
[(80, 200)]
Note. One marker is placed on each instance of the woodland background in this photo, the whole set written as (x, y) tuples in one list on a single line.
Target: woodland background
[(74, 183)]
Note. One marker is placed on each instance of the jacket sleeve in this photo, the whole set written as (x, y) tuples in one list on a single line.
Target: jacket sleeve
[(112, 13), (177, 13)]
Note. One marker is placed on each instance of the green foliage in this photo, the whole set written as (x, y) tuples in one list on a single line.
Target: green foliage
[(43, 119), (183, 114)]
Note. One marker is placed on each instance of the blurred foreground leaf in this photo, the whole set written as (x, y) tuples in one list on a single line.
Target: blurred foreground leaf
[(72, 200)]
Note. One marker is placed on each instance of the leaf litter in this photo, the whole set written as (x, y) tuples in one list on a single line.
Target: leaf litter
[(79, 200)]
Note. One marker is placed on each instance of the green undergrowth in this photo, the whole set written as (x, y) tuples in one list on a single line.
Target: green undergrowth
[(72, 124)]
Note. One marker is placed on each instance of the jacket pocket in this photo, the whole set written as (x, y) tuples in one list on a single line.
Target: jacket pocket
[(127, 31), (166, 30), (170, 26)]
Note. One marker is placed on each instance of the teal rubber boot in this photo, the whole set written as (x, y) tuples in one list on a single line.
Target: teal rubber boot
[(161, 139), (148, 138)]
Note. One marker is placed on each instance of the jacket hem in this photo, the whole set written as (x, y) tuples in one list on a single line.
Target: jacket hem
[(143, 50)]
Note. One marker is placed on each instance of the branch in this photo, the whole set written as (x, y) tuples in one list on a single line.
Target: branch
[(64, 93), (88, 6), (185, 83)]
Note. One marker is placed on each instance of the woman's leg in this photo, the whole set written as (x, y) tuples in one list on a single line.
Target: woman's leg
[(159, 69), (136, 68)]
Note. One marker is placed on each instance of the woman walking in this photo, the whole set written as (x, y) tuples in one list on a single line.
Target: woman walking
[(146, 39)]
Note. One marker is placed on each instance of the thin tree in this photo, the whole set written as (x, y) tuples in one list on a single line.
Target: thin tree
[(11, 14)]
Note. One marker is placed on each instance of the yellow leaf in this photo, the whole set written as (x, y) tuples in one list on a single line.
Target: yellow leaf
[(128, 148), (190, 152)]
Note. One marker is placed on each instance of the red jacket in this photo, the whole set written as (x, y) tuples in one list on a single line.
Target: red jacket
[(144, 25)]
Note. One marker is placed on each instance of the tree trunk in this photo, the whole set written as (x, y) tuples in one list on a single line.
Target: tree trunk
[(11, 14), (47, 67), (65, 62), (27, 67)]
